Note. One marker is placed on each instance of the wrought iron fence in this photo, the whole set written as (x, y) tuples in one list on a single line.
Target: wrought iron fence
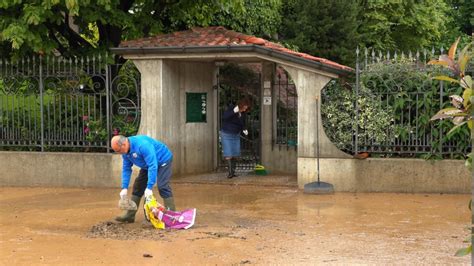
[(286, 124), (52, 103), (388, 109)]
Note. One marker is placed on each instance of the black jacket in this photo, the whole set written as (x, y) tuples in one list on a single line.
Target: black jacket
[(232, 123)]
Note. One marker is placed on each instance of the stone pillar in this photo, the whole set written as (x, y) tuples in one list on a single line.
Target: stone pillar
[(309, 86), (266, 114), (151, 96)]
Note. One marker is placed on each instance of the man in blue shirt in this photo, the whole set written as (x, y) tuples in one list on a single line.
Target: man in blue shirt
[(154, 159)]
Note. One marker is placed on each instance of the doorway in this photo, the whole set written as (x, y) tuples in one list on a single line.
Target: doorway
[(234, 82)]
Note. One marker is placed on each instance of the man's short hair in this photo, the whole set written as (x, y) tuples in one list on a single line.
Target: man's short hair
[(121, 141)]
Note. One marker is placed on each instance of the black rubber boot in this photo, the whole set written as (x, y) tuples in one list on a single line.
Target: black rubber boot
[(234, 166), (169, 204), (129, 216), (230, 167)]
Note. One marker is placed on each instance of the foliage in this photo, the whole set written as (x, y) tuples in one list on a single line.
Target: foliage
[(462, 13), (76, 27), (240, 76), (459, 23), (414, 97), (94, 130), (255, 17), (461, 113), (396, 101), (338, 115), (394, 24), (332, 29), (325, 28)]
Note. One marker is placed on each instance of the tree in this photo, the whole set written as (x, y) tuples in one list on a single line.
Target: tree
[(463, 14), (404, 25), (73, 27), (325, 28), (460, 22)]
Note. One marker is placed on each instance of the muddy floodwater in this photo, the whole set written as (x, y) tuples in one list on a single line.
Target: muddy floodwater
[(235, 224)]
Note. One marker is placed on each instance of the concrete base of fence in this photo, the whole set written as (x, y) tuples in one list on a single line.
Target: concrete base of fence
[(388, 175), (347, 175), (60, 169)]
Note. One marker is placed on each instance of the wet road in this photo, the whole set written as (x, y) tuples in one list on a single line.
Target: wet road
[(235, 224)]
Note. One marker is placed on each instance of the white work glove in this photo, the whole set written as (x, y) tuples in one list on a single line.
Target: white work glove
[(245, 131), (123, 193), (148, 193), (236, 109)]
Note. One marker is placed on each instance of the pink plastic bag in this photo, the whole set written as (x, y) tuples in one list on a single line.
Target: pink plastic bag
[(176, 219)]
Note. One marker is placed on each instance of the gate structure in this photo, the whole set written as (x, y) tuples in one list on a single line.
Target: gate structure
[(58, 104), (235, 82)]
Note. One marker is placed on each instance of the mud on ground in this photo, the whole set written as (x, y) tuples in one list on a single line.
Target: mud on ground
[(234, 225)]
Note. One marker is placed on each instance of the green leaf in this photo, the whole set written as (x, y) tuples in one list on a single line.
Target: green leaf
[(438, 62), (32, 14), (466, 96), (463, 251), (73, 7), (466, 82), (452, 131), (464, 58), (446, 78), (16, 34), (443, 113)]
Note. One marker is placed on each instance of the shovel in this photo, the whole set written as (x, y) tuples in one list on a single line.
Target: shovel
[(127, 204)]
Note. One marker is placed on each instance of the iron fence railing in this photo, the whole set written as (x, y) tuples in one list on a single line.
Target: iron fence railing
[(401, 89), (385, 108), (286, 110), (52, 103)]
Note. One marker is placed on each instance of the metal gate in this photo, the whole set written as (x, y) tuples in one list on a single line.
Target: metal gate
[(58, 104), (235, 82)]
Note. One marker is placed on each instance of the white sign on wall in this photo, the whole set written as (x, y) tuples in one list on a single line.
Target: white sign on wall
[(267, 84), (267, 100)]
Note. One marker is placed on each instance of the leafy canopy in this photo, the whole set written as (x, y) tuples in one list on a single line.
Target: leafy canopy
[(75, 27)]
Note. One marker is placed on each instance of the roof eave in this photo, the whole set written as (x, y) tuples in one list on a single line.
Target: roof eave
[(229, 49)]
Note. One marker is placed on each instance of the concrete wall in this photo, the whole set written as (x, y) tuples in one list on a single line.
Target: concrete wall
[(282, 160), (60, 169), (350, 175), (388, 175), (164, 87)]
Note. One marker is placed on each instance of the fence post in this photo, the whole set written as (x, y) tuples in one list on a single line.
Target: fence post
[(218, 115), (41, 100), (441, 90), (356, 139), (107, 104)]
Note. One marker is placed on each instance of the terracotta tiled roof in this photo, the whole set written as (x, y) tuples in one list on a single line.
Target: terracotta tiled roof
[(219, 36)]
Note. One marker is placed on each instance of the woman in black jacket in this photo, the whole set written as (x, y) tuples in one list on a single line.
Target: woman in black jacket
[(233, 122)]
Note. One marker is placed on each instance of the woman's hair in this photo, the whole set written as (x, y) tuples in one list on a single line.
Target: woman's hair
[(245, 101)]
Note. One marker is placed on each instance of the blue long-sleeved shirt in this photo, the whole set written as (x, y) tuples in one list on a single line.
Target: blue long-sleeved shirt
[(146, 153), (232, 123)]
